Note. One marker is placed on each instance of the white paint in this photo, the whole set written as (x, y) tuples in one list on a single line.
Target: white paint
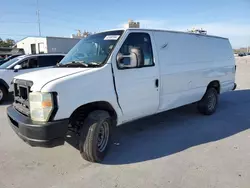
[(79, 88), (185, 64), (48, 75), (188, 64), (138, 95)]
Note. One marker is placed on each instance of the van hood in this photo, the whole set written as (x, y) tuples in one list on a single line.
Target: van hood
[(42, 77)]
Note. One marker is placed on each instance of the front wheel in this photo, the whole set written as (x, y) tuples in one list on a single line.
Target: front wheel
[(95, 136), (208, 104), (3, 94)]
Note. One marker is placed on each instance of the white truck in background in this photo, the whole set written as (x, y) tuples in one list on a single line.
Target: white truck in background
[(118, 76)]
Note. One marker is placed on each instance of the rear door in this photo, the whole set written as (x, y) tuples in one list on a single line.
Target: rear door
[(138, 87)]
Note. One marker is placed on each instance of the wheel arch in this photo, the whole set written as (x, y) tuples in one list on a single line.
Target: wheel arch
[(3, 83), (83, 111), (215, 84)]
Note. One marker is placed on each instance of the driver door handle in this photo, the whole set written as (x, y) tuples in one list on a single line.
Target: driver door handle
[(157, 83)]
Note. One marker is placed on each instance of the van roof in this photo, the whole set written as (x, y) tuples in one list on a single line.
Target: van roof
[(170, 31)]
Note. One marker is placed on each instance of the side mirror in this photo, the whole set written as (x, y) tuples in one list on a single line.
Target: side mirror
[(127, 61), (17, 67), (134, 59)]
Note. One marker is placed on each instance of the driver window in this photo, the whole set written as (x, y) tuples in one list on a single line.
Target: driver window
[(29, 63), (142, 41)]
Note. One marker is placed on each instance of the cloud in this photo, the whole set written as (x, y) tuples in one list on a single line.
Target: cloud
[(238, 33), (158, 24)]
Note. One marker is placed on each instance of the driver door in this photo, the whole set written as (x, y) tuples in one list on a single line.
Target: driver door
[(137, 87)]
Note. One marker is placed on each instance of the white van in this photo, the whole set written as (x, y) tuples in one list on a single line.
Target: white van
[(118, 76), (23, 64)]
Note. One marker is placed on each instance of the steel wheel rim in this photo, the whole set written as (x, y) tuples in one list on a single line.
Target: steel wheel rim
[(103, 136), (211, 101), (1, 94)]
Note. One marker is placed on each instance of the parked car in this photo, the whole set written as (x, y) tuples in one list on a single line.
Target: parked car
[(241, 54), (9, 58), (115, 77), (23, 64)]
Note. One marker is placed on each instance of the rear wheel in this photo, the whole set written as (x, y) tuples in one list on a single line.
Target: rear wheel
[(95, 136), (3, 94), (208, 104)]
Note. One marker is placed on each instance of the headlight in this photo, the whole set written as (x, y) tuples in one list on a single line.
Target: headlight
[(41, 106)]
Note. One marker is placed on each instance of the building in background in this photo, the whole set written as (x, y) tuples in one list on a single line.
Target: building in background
[(38, 45)]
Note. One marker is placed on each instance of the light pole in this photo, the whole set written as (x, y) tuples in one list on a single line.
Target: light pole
[(38, 18)]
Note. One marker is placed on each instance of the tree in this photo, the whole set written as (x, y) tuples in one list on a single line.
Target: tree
[(7, 43), (10, 42), (81, 34)]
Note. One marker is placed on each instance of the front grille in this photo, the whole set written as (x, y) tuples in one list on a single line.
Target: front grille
[(21, 96)]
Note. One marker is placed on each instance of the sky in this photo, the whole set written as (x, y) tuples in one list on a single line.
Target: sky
[(227, 18)]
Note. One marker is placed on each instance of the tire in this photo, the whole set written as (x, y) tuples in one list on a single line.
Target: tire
[(95, 136), (208, 104), (3, 94)]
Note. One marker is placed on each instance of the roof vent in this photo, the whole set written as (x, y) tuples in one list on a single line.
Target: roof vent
[(198, 31), (132, 24)]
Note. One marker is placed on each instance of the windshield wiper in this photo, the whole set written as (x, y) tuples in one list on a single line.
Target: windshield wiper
[(74, 64), (93, 64)]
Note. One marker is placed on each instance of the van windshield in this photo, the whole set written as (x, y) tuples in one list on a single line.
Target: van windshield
[(92, 51)]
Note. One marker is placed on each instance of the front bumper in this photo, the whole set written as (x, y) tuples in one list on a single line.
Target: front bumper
[(47, 134)]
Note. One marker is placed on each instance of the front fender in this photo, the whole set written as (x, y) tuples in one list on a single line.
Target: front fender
[(2, 82), (83, 88)]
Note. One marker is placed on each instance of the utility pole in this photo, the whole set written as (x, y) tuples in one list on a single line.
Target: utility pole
[(247, 48), (38, 18)]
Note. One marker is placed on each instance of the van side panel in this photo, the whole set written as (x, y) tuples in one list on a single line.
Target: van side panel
[(188, 63)]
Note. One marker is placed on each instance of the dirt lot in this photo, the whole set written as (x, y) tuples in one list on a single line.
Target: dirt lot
[(179, 148)]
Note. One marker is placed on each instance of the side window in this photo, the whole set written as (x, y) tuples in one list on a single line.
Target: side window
[(46, 61), (29, 63), (139, 41)]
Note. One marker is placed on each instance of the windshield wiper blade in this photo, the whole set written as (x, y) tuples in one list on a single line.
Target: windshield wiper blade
[(93, 64), (74, 64)]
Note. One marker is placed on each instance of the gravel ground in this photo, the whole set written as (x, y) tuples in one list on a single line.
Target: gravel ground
[(179, 148)]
